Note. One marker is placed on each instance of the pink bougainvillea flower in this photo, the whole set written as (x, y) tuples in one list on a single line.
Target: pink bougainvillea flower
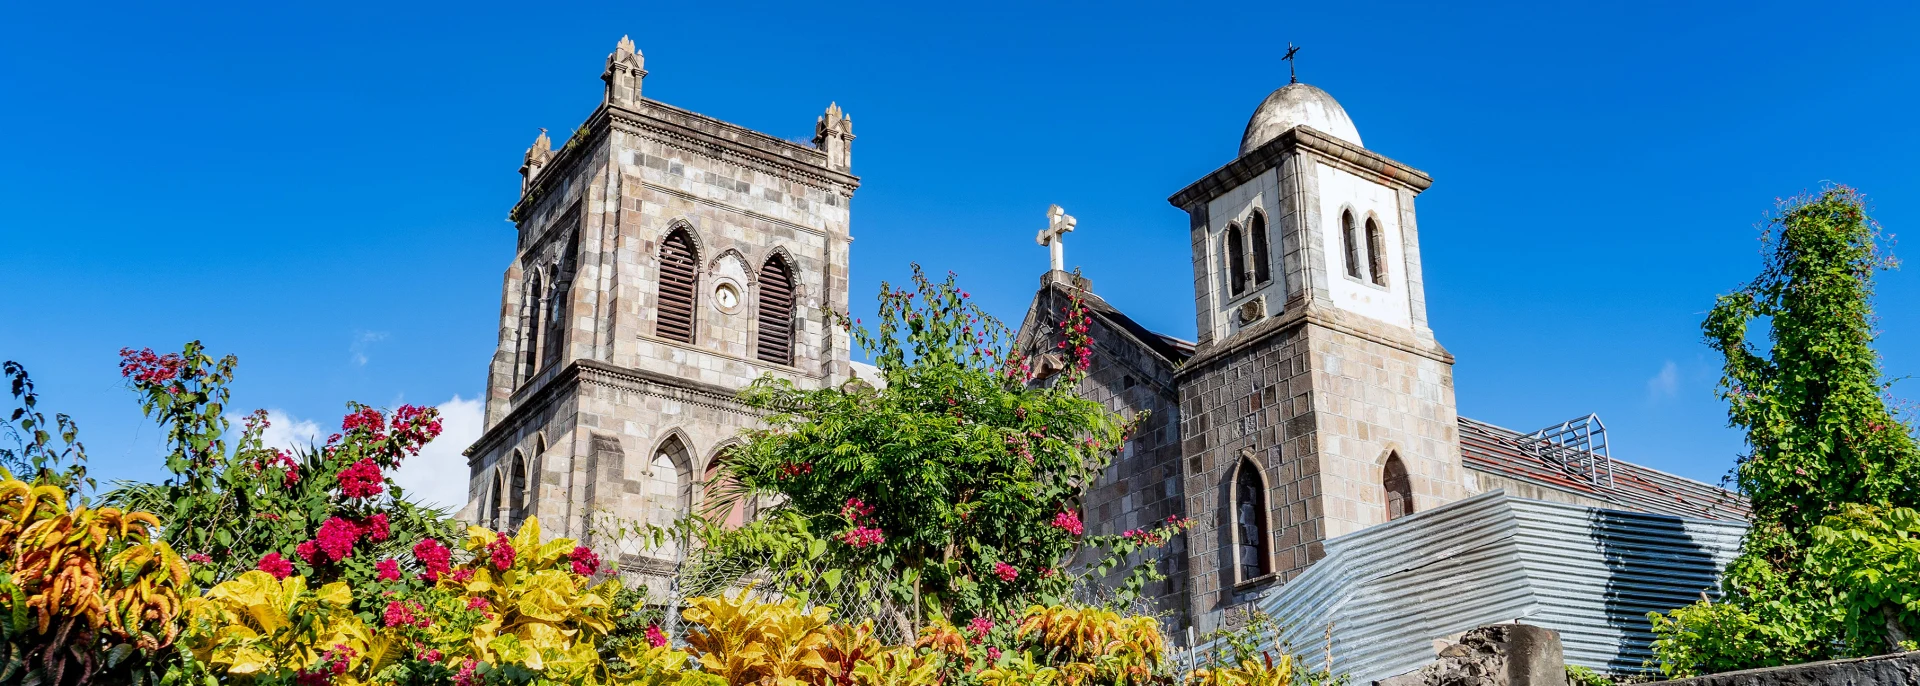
[(980, 626), (500, 552), (274, 564), (361, 479), (585, 562), (435, 559), (336, 538), (307, 550), (1005, 571), (389, 569), (656, 637), (1069, 522)]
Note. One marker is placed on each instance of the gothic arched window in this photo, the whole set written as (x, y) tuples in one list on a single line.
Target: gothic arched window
[(1350, 244), (1250, 536), (530, 329), (1236, 260), (516, 490), (490, 502), (1398, 486), (775, 343), (720, 486), (668, 491), (1376, 253), (1262, 271), (677, 269)]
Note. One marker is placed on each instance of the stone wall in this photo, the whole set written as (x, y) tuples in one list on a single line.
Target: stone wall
[(1142, 488), (1252, 402), (607, 392)]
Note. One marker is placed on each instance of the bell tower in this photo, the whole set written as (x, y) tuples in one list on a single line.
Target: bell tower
[(1317, 402)]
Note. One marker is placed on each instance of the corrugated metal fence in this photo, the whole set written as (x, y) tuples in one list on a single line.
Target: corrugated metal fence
[(1384, 594)]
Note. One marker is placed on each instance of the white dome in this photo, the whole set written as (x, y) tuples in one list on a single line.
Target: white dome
[(1298, 104)]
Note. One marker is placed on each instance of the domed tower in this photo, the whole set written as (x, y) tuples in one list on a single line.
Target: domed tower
[(1317, 402)]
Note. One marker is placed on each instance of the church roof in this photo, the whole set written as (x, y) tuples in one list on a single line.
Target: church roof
[(1496, 450), (1298, 104), (1175, 350)]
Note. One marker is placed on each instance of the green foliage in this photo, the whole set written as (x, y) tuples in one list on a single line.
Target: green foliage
[(1871, 558), (271, 501), (1826, 569), (42, 452), (950, 479), (1581, 676)]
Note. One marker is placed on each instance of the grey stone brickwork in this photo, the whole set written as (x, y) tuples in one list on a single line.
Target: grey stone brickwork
[(606, 392), (1132, 374)]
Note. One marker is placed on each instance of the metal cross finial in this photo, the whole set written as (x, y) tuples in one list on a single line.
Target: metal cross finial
[(1292, 76), (1058, 224)]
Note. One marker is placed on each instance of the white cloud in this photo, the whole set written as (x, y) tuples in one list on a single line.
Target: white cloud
[(438, 475), (1665, 384), (363, 341), (288, 433)]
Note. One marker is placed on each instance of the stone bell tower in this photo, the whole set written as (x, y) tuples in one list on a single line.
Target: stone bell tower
[(1317, 402), (664, 260)]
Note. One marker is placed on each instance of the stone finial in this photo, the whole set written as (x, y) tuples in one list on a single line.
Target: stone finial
[(537, 157), (626, 68), (833, 134)]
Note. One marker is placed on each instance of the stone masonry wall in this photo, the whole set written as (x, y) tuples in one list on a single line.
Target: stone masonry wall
[(1142, 488), (598, 212), (1257, 401)]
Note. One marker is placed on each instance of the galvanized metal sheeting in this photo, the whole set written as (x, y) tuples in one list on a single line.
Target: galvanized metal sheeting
[(1388, 591)]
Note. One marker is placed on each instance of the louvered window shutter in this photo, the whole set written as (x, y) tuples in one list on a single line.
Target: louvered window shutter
[(775, 343), (677, 261)]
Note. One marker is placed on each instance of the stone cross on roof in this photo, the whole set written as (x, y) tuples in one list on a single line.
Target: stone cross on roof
[(1058, 224)]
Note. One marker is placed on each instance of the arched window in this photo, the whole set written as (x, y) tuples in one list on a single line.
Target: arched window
[(1350, 244), (490, 501), (775, 342), (516, 491), (1236, 260), (1250, 536), (677, 268), (1262, 271), (556, 327), (1376, 253), (667, 494), (1399, 488), (530, 329), (719, 486)]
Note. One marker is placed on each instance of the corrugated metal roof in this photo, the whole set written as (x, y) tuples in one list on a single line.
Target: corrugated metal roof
[(1488, 448), (1385, 593)]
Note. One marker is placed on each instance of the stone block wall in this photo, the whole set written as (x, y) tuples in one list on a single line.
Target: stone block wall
[(1143, 486), (1380, 392), (1253, 401), (611, 391)]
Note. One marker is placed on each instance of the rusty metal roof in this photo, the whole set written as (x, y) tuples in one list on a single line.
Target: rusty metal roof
[(1488, 448)]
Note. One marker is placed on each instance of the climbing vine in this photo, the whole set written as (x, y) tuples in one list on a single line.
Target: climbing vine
[(1829, 470)]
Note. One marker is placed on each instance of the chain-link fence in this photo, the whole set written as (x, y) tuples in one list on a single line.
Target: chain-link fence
[(674, 569)]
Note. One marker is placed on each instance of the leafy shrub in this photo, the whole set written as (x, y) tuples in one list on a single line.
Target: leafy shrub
[(959, 482), (86, 592)]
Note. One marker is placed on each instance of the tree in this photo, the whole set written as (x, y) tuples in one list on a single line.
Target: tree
[(960, 480), (1828, 470)]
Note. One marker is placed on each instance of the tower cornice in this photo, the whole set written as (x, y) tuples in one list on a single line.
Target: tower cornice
[(1341, 154)]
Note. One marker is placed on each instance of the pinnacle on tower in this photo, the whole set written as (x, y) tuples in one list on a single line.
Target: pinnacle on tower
[(625, 70), (537, 156), (833, 134)]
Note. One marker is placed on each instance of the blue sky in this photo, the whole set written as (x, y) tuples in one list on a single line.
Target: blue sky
[(321, 190)]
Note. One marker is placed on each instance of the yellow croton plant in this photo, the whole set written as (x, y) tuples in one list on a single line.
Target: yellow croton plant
[(516, 612)]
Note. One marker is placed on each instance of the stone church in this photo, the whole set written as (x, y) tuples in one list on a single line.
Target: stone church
[(666, 259)]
